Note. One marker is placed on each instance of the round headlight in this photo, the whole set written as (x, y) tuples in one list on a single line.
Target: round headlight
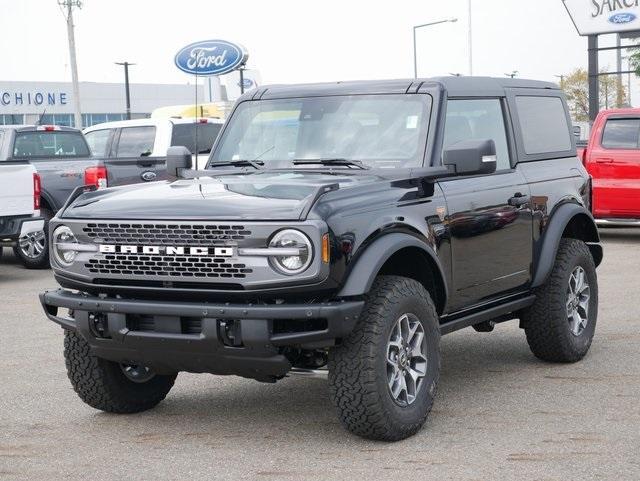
[(63, 240), (291, 239)]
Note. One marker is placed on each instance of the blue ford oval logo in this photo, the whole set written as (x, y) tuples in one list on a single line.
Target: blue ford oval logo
[(148, 176), (247, 83), (211, 57), (620, 18)]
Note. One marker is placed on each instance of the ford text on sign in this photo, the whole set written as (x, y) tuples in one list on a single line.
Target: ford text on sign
[(593, 17), (211, 57)]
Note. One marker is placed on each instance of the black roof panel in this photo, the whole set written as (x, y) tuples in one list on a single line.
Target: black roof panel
[(455, 86)]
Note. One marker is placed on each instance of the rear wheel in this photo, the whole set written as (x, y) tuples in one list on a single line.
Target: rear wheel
[(383, 376), (110, 386), (561, 324), (33, 249)]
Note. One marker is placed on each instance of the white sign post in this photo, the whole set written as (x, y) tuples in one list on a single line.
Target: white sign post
[(595, 17)]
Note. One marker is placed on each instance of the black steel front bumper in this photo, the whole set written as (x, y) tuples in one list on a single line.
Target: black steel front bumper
[(113, 332)]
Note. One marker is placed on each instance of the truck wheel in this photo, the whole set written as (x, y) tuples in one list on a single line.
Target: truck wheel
[(33, 249), (561, 323), (383, 376), (110, 386)]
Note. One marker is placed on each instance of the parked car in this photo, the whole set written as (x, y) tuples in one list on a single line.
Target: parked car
[(612, 158), (64, 162), (344, 226), (21, 227), (149, 139)]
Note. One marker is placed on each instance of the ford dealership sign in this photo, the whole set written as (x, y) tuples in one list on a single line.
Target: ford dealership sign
[(594, 17), (211, 57)]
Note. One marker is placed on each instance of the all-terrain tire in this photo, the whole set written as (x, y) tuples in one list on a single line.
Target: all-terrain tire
[(102, 384), (546, 322), (358, 382)]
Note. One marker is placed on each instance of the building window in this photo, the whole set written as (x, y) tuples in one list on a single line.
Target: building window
[(11, 119), (65, 120)]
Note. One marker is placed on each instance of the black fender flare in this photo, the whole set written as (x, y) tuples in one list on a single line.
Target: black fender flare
[(46, 197), (559, 221), (362, 275)]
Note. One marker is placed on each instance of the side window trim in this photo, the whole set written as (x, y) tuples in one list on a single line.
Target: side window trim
[(506, 120), (522, 156)]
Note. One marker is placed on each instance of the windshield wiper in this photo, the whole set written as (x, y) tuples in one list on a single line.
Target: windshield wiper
[(256, 164), (337, 161)]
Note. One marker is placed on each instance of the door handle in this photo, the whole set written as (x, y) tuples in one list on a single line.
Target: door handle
[(518, 200), (604, 161)]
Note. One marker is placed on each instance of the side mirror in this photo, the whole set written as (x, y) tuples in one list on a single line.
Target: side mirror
[(471, 157), (577, 131), (178, 160)]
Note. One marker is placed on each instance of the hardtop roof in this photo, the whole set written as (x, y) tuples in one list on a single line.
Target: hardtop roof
[(455, 86)]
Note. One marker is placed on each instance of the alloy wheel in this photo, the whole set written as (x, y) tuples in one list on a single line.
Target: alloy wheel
[(406, 359), (578, 295)]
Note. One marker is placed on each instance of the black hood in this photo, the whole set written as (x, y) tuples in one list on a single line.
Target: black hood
[(271, 195)]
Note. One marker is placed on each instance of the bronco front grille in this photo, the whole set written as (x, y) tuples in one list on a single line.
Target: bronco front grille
[(168, 266), (166, 234)]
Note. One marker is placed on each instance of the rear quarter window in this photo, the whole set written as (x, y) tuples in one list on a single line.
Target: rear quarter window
[(98, 141), (543, 124), (621, 134)]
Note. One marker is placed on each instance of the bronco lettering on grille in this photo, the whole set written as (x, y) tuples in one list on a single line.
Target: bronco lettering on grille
[(166, 250)]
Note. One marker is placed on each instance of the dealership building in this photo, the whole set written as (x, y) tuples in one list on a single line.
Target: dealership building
[(53, 103)]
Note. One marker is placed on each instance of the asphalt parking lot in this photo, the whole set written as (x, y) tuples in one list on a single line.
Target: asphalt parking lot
[(499, 414)]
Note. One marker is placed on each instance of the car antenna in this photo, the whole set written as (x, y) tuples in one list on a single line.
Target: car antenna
[(41, 116)]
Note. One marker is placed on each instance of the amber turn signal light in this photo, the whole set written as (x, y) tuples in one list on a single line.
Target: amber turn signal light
[(325, 249)]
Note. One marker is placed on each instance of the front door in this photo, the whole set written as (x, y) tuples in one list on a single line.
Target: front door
[(489, 217)]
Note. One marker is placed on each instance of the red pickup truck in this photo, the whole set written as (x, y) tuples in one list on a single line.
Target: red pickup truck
[(612, 157)]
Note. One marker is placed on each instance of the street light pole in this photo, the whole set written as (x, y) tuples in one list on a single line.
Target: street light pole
[(415, 49), (126, 86)]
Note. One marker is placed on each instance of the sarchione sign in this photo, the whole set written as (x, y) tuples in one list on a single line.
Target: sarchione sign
[(593, 17), (211, 57), (17, 98)]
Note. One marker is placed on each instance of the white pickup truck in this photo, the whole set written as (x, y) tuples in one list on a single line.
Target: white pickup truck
[(20, 221)]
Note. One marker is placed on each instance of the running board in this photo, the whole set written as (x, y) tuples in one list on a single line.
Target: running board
[(618, 222), (486, 315)]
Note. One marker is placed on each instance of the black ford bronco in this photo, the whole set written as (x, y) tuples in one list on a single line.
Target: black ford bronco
[(341, 227)]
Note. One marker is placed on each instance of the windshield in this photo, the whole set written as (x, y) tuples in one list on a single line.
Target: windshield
[(185, 134), (50, 144), (382, 131)]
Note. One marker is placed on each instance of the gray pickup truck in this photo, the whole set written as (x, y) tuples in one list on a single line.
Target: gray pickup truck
[(64, 162)]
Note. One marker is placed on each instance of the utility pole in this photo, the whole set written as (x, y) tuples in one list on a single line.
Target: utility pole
[(67, 7), (126, 86), (513, 74), (470, 42), (619, 87)]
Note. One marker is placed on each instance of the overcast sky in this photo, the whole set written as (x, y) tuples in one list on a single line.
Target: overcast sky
[(292, 41)]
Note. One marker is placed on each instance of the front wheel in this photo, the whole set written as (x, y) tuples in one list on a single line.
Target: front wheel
[(383, 376), (109, 386), (561, 323)]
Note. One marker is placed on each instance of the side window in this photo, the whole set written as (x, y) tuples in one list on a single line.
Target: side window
[(136, 141), (1, 140), (621, 134), (98, 141), (478, 119), (544, 125)]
